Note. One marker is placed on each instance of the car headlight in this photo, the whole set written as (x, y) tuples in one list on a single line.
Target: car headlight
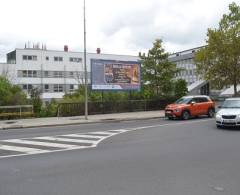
[(218, 116), (238, 116)]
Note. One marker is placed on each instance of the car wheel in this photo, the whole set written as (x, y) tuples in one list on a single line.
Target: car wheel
[(219, 126), (211, 113), (185, 115)]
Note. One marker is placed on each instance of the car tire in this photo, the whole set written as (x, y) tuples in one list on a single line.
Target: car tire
[(219, 126), (211, 112), (185, 115)]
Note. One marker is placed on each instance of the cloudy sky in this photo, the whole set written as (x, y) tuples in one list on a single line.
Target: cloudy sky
[(116, 26)]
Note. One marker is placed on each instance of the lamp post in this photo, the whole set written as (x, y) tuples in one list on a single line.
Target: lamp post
[(85, 63)]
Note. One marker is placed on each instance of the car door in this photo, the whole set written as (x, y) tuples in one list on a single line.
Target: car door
[(195, 106), (204, 105)]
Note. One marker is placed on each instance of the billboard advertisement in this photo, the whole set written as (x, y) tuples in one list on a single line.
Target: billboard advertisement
[(115, 75)]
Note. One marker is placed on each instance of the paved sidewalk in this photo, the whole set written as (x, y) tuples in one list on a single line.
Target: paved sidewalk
[(59, 121)]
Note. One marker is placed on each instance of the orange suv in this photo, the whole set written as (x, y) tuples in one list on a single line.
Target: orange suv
[(190, 106)]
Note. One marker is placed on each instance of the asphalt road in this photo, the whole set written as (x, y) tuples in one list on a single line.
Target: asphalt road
[(150, 157)]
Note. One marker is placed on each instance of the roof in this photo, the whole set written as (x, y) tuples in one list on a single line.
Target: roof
[(229, 91), (194, 96)]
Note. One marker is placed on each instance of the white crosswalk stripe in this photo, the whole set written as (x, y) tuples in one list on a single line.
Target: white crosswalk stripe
[(22, 149), (65, 140), (35, 145), (84, 136), (101, 133)]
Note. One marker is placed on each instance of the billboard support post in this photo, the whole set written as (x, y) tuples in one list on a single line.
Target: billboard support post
[(85, 63)]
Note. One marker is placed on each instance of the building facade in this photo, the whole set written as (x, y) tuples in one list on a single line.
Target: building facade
[(54, 73), (185, 61)]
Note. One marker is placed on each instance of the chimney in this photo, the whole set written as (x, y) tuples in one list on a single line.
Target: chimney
[(98, 50), (65, 48)]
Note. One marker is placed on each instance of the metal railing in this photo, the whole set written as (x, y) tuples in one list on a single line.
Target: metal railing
[(17, 111), (77, 108)]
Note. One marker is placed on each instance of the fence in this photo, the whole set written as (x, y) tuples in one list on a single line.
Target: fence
[(77, 109), (18, 111)]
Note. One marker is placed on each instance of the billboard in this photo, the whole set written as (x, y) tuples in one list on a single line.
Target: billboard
[(115, 75)]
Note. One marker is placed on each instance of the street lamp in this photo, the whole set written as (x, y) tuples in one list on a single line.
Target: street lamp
[(85, 63)]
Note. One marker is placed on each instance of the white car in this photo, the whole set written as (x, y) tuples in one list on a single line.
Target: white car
[(229, 113)]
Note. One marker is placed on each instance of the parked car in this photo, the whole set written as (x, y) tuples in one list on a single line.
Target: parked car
[(229, 113), (190, 106)]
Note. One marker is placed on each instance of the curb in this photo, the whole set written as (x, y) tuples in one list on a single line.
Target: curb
[(79, 123)]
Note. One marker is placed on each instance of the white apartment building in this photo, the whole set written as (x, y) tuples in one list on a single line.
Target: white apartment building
[(55, 73), (185, 61)]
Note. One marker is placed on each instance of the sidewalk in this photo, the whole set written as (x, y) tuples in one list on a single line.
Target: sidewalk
[(60, 121)]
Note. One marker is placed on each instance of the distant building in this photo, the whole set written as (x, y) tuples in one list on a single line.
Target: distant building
[(185, 61), (55, 73)]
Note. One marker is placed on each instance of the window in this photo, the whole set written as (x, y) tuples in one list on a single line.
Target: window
[(25, 57), (71, 88), (29, 73), (24, 73), (58, 59), (46, 88), (47, 58), (24, 87), (34, 73), (75, 59), (30, 86), (58, 88), (71, 74), (46, 74), (27, 87), (58, 74)]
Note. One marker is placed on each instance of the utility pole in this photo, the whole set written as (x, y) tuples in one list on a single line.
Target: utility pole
[(85, 63)]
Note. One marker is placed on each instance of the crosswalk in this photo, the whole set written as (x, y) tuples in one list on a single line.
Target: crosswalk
[(47, 144)]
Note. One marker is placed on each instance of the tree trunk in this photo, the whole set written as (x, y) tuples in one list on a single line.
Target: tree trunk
[(235, 89)]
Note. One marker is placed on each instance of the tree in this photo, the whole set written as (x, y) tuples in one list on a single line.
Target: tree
[(36, 100), (11, 94), (219, 61), (181, 89), (157, 72)]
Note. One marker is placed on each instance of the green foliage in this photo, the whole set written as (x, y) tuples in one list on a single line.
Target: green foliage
[(219, 61), (157, 71), (36, 100), (11, 94), (49, 110), (180, 88)]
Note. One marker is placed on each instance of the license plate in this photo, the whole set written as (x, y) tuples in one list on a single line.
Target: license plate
[(228, 121)]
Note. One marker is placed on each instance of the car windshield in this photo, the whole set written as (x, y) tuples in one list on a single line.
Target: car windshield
[(231, 104), (184, 100)]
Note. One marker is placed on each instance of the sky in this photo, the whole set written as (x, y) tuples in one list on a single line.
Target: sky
[(116, 26)]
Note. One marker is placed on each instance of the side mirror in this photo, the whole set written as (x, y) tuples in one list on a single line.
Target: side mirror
[(193, 102), (219, 106)]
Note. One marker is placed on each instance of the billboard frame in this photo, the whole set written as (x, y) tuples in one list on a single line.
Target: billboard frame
[(119, 62)]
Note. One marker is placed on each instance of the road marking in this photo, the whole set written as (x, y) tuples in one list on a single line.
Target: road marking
[(27, 150), (98, 136), (103, 133), (83, 136), (71, 142), (66, 140), (168, 124), (38, 143)]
